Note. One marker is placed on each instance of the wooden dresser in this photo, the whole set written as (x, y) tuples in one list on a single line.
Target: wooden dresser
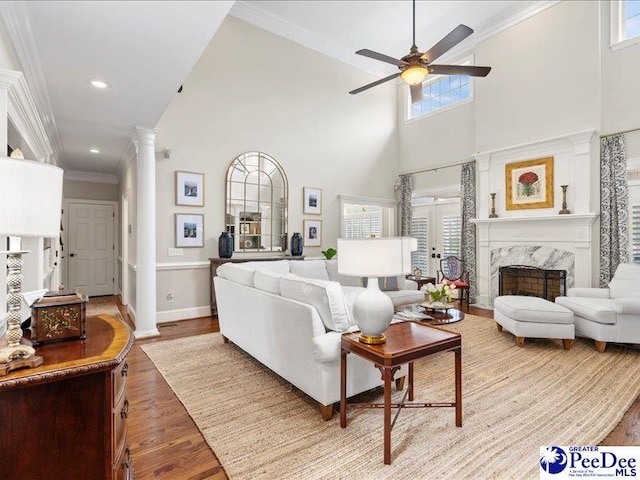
[(214, 263), (67, 418)]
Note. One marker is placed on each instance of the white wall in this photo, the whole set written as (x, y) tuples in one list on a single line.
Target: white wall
[(90, 190), (252, 90)]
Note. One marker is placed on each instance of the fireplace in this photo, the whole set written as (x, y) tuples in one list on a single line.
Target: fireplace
[(525, 280)]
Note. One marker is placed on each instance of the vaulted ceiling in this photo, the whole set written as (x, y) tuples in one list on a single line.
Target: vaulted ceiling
[(145, 50)]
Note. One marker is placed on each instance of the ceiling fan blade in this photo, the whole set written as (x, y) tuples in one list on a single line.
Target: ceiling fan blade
[(470, 70), (381, 56), (416, 93), (453, 38), (377, 82)]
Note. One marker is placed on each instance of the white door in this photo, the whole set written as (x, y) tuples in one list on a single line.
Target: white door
[(440, 226), (91, 248)]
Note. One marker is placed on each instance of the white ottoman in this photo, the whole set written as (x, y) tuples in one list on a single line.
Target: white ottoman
[(534, 317)]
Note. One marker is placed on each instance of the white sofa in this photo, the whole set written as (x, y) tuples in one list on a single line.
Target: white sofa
[(289, 315), (609, 314)]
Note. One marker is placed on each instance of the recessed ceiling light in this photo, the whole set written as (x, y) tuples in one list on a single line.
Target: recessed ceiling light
[(94, 150), (99, 84)]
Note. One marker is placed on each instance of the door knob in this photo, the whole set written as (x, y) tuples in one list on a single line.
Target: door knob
[(72, 254)]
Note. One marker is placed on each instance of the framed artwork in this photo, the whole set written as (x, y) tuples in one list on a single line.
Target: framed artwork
[(190, 189), (312, 233), (529, 184), (312, 201), (189, 230)]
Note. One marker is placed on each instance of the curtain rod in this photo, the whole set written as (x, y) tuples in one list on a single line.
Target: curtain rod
[(440, 167), (624, 131)]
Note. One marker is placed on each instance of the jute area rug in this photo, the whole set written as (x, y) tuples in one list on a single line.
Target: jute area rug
[(514, 401)]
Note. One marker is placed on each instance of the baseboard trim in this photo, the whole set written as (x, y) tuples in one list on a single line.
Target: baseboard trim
[(183, 314)]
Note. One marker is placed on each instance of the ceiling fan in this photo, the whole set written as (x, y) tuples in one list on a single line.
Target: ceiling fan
[(415, 66)]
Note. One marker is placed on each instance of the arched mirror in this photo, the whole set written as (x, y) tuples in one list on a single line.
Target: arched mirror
[(257, 203)]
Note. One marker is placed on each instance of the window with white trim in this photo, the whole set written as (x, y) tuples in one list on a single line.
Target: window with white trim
[(442, 92), (451, 231), (625, 22), (420, 231), (362, 221)]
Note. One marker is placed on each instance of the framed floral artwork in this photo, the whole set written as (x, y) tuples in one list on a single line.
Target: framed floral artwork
[(189, 230), (529, 184), (312, 233), (312, 201), (190, 189)]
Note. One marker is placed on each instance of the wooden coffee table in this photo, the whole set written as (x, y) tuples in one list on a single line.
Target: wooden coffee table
[(406, 342), (435, 316)]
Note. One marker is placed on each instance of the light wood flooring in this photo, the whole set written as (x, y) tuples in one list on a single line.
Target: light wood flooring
[(165, 442)]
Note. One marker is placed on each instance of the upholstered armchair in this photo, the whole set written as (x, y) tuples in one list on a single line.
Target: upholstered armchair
[(609, 314)]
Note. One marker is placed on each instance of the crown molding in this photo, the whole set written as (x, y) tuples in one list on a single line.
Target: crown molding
[(260, 18), (93, 177), (20, 32), (127, 157), (265, 20)]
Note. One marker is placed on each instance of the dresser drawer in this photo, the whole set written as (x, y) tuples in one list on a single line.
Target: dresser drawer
[(119, 378), (120, 414), (123, 468)]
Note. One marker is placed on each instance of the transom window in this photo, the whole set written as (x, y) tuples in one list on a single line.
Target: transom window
[(442, 92), (625, 23)]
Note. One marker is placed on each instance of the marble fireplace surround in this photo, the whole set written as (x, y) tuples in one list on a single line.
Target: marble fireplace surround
[(559, 242)]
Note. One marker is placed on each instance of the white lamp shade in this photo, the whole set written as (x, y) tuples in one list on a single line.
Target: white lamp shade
[(375, 257), (31, 195)]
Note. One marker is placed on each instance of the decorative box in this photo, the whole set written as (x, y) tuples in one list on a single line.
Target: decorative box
[(58, 316)]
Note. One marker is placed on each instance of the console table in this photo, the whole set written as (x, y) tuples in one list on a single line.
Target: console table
[(67, 417), (214, 263)]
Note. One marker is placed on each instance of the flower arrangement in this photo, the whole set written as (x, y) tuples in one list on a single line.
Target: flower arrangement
[(527, 182), (439, 293)]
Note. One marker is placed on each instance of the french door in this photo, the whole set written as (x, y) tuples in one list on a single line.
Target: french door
[(438, 230)]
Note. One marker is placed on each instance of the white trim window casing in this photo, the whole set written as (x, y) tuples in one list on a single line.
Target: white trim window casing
[(625, 23), (441, 93)]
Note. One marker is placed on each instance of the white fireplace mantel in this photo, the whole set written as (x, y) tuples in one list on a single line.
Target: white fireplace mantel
[(572, 233)]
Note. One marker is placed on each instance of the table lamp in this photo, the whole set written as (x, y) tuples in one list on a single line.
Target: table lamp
[(31, 207), (373, 258)]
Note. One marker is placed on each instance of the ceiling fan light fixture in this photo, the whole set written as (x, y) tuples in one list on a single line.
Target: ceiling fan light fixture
[(415, 75)]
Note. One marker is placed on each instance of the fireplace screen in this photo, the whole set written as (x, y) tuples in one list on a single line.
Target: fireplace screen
[(532, 281)]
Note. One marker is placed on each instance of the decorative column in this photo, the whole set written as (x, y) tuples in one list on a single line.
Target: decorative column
[(146, 234)]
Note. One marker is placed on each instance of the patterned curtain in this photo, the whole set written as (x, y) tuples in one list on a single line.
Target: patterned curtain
[(406, 189), (614, 207), (468, 234)]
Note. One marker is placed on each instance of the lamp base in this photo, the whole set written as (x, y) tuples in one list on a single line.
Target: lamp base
[(25, 359), (372, 339)]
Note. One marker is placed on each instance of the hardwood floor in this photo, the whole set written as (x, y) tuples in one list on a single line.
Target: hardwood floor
[(165, 442)]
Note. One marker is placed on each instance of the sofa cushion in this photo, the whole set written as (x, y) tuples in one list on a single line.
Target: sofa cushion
[(325, 296), (344, 280), (532, 309), (268, 281), (236, 272), (276, 266), (599, 310), (626, 281), (309, 269)]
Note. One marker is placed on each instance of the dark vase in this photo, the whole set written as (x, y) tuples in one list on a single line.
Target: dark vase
[(225, 245), (296, 244)]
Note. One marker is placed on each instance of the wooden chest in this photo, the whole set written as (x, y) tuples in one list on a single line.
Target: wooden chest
[(58, 317)]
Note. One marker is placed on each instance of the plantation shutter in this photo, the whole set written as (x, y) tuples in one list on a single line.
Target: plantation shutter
[(363, 225), (419, 230), (635, 233), (451, 230)]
